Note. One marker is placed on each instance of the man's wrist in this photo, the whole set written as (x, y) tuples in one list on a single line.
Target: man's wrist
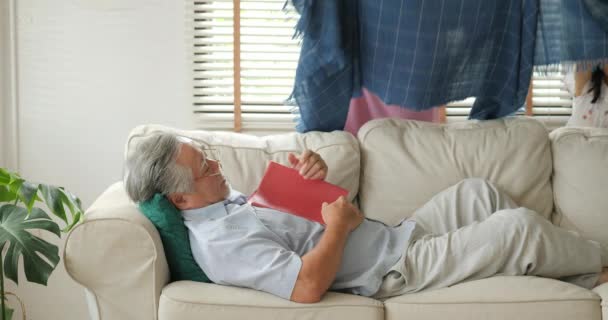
[(337, 229)]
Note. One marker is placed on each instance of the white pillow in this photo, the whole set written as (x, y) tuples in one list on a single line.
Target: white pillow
[(580, 181), (244, 157), (405, 162)]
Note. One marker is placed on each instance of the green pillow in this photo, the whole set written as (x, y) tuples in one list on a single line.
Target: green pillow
[(169, 222)]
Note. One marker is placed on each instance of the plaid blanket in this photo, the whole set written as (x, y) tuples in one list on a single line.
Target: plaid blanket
[(599, 10), (425, 53)]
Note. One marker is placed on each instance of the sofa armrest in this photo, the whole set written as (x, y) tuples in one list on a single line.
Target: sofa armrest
[(117, 254), (602, 291)]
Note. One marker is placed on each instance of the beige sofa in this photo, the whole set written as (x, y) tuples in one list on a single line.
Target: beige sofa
[(394, 166)]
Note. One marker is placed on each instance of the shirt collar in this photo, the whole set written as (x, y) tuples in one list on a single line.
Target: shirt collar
[(216, 210), (212, 211), (235, 197)]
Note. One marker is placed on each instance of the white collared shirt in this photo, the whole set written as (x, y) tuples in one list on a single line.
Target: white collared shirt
[(259, 248)]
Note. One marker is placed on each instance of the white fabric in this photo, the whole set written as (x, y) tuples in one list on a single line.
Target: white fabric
[(129, 285), (117, 254), (602, 291), (587, 114), (405, 163), (580, 181), (233, 246), (244, 158), (499, 298), (265, 247), (474, 231), (186, 300)]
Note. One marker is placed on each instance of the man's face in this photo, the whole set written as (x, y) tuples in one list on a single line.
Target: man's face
[(210, 185)]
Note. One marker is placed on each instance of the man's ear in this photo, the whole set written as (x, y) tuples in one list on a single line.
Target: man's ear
[(178, 200)]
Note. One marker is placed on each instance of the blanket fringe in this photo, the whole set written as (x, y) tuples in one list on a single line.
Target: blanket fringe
[(570, 66), (295, 110), (303, 8)]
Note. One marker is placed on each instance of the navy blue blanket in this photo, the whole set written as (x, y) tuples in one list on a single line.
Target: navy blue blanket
[(424, 53)]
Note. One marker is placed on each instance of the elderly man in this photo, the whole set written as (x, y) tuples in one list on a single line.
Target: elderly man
[(469, 231)]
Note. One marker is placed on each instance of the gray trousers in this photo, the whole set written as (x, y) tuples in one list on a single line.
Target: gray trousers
[(473, 231)]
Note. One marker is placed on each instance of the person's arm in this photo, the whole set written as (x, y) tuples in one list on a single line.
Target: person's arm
[(320, 265)]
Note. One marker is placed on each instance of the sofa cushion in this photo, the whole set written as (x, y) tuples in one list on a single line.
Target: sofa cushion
[(187, 300), (503, 297), (405, 162), (580, 181), (173, 233), (244, 157)]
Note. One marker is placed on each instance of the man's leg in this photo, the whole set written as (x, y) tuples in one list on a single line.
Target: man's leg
[(509, 242), (468, 201)]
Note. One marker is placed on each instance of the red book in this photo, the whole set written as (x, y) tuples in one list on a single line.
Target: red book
[(284, 189)]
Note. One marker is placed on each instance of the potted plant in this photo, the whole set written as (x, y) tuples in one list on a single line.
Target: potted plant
[(18, 216)]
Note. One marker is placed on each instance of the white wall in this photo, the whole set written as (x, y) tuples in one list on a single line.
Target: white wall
[(88, 72), (3, 65), (4, 74)]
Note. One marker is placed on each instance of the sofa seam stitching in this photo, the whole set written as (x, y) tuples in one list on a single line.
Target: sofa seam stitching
[(268, 307), (495, 302)]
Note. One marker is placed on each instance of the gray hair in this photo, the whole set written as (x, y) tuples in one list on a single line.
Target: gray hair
[(151, 168)]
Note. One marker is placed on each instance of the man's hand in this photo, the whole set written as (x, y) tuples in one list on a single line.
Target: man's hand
[(341, 214), (310, 164)]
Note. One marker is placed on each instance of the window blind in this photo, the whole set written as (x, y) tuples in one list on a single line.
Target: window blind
[(266, 60), (551, 100), (252, 39)]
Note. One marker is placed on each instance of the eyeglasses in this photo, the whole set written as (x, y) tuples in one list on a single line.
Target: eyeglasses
[(211, 155)]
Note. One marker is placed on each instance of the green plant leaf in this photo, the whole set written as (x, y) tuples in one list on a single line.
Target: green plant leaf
[(15, 185), (14, 228), (6, 195), (54, 200), (13, 176), (5, 177), (75, 220), (8, 315), (8, 312), (73, 203), (27, 194), (9, 185)]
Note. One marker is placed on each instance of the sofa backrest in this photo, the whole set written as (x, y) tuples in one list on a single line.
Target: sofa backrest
[(580, 181), (405, 162), (244, 157)]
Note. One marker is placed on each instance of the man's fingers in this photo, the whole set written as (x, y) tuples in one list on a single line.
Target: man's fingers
[(318, 175), (299, 162), (307, 164), (310, 169), (293, 159), (305, 155)]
